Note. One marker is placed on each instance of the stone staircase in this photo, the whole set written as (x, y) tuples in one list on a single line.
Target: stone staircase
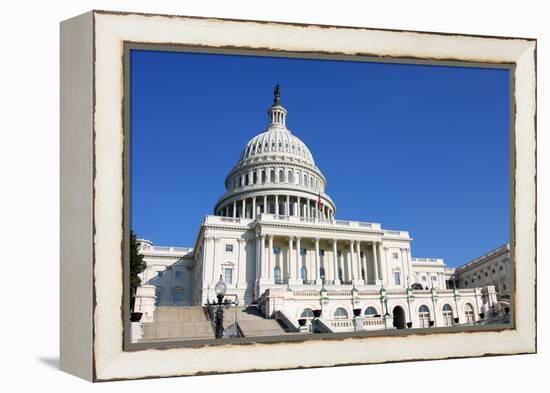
[(191, 323), (178, 323), (253, 324)]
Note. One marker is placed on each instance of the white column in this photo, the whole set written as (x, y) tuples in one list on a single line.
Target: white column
[(243, 213), (253, 208), (276, 204), (241, 262), (405, 273), (316, 275), (234, 209), (383, 264), (375, 257), (287, 207), (335, 261), (270, 253), (299, 209), (258, 258), (290, 271), (352, 264), (364, 265), (298, 259), (264, 269)]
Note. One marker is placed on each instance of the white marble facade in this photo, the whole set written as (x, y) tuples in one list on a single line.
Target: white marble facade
[(276, 242)]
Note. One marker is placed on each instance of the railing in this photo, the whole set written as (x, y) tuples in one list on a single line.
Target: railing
[(341, 324), (165, 250), (211, 314), (324, 221), (432, 260), (230, 219), (306, 294), (484, 257), (373, 323)]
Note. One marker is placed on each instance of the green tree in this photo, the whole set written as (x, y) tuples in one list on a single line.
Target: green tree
[(137, 265)]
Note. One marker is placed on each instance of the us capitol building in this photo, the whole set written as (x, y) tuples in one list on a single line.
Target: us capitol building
[(275, 240)]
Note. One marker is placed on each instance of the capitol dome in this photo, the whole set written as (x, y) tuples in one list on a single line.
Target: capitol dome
[(277, 139), (275, 174)]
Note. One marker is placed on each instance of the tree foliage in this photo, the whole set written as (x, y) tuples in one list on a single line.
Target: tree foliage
[(137, 264)]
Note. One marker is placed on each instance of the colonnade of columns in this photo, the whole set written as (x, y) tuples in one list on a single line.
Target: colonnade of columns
[(278, 204), (287, 259)]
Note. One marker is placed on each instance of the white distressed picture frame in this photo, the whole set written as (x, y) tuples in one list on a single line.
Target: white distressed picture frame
[(92, 189)]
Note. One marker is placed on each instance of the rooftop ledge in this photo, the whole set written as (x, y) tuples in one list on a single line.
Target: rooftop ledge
[(305, 220)]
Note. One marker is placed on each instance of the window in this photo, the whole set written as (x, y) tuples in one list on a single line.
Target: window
[(494, 271), (290, 177), (397, 277), (500, 267), (229, 248), (177, 296), (340, 275), (395, 255), (340, 313), (179, 274), (434, 278), (159, 292), (303, 273), (303, 252), (277, 274), (228, 275), (447, 315), (322, 273), (424, 316), (370, 312), (276, 250), (469, 313), (263, 177), (321, 253), (272, 176), (486, 274), (254, 178), (281, 176), (307, 313), (423, 278)]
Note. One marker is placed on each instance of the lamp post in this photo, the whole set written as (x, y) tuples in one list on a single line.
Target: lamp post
[(220, 289)]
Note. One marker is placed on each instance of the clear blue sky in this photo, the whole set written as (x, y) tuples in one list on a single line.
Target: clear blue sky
[(414, 147)]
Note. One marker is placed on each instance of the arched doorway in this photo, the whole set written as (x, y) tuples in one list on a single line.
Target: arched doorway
[(399, 317)]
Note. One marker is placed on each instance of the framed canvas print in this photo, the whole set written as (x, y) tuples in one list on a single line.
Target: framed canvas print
[(247, 195)]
